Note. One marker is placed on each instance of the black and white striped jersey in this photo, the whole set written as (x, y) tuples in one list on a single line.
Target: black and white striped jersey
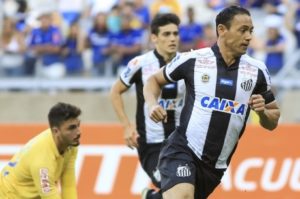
[(137, 72), (216, 105)]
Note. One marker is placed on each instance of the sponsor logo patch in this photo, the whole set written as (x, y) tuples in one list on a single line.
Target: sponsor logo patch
[(205, 78), (227, 82), (44, 180), (170, 104), (183, 171), (223, 105), (247, 85)]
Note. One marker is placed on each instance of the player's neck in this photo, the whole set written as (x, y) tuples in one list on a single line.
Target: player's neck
[(166, 56), (227, 55), (61, 147)]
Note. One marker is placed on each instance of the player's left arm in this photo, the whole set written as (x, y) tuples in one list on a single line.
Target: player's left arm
[(68, 179), (43, 172), (263, 101), (268, 112)]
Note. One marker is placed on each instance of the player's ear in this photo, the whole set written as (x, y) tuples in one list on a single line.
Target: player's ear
[(54, 130), (154, 38), (221, 29)]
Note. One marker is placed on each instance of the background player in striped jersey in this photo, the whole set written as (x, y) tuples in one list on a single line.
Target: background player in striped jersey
[(147, 136), (222, 85), (46, 160)]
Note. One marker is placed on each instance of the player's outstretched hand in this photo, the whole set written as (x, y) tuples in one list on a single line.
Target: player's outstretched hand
[(131, 136), (157, 113)]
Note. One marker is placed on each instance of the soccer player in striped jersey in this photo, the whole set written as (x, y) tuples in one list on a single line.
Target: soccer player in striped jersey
[(147, 136), (223, 84), (45, 166)]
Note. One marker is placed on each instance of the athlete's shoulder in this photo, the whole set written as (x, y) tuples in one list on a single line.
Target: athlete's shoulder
[(142, 60), (183, 57), (40, 145), (253, 62), (202, 52)]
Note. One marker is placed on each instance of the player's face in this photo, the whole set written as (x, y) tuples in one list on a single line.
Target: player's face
[(239, 35), (167, 39), (69, 132)]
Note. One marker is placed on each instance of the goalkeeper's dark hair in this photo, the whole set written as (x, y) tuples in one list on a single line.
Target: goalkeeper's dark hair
[(62, 112), (162, 20)]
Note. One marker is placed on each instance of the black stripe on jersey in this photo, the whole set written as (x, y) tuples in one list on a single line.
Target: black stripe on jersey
[(160, 59), (263, 86), (140, 115), (190, 93), (168, 93), (219, 121), (240, 135)]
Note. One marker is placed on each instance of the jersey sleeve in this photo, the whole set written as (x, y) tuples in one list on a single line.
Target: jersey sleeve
[(263, 86), (68, 180), (128, 74), (176, 69), (43, 172)]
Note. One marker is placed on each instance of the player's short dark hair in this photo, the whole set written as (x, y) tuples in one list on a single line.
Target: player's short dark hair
[(162, 20), (62, 112), (226, 16)]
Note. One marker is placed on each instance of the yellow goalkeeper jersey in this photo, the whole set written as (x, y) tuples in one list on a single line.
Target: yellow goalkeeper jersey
[(38, 171)]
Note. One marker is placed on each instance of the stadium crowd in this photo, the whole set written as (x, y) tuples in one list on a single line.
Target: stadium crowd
[(55, 39)]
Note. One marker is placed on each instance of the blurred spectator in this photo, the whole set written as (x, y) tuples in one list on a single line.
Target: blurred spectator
[(190, 33), (21, 15), (45, 42), (125, 45), (99, 39), (275, 45), (127, 11), (209, 36), (72, 50), (165, 6), (12, 46), (292, 20), (252, 3), (114, 20), (142, 12), (216, 4), (272, 6)]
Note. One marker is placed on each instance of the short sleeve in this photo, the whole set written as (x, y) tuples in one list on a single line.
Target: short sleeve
[(177, 68), (128, 74), (263, 86)]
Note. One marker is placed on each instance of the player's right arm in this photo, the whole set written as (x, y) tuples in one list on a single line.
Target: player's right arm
[(119, 87), (152, 90), (172, 72), (130, 133)]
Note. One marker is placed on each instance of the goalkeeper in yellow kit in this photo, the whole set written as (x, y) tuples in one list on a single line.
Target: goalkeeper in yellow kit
[(45, 167)]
